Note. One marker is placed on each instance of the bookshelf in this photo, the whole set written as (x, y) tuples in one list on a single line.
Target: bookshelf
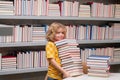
[(23, 20), (18, 71), (98, 43), (23, 44), (50, 19)]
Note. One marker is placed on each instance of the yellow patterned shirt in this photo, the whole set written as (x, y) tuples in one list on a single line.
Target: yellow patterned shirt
[(52, 52)]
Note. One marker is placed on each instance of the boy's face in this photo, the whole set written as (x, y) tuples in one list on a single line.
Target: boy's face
[(59, 34)]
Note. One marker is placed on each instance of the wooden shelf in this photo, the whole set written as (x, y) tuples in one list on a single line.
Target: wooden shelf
[(49, 19), (23, 44), (18, 71), (41, 44), (98, 43)]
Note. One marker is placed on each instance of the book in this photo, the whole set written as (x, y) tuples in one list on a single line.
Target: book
[(96, 60), (99, 57), (98, 70), (69, 64), (65, 41), (98, 74), (72, 67)]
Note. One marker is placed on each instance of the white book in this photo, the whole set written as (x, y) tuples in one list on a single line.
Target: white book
[(65, 41)]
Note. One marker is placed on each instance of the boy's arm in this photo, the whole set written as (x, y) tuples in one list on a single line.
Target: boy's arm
[(46, 77), (54, 63)]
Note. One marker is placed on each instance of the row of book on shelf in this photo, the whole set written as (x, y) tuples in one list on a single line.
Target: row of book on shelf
[(68, 53), (22, 60), (23, 33), (107, 51), (72, 58), (59, 8), (32, 33)]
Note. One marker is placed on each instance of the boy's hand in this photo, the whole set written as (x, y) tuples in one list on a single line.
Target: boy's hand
[(66, 74)]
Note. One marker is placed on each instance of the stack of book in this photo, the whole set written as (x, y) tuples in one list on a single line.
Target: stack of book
[(117, 10), (84, 11), (8, 62), (69, 54), (53, 10), (98, 65), (6, 7)]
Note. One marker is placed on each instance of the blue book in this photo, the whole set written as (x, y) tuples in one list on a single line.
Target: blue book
[(99, 57)]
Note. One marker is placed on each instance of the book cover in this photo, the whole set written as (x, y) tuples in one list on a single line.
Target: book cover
[(99, 57)]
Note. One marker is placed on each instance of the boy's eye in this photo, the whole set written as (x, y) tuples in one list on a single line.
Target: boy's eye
[(60, 32)]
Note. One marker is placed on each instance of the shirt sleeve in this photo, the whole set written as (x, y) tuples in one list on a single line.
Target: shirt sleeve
[(50, 50)]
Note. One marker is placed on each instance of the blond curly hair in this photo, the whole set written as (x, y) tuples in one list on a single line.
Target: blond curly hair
[(52, 30)]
